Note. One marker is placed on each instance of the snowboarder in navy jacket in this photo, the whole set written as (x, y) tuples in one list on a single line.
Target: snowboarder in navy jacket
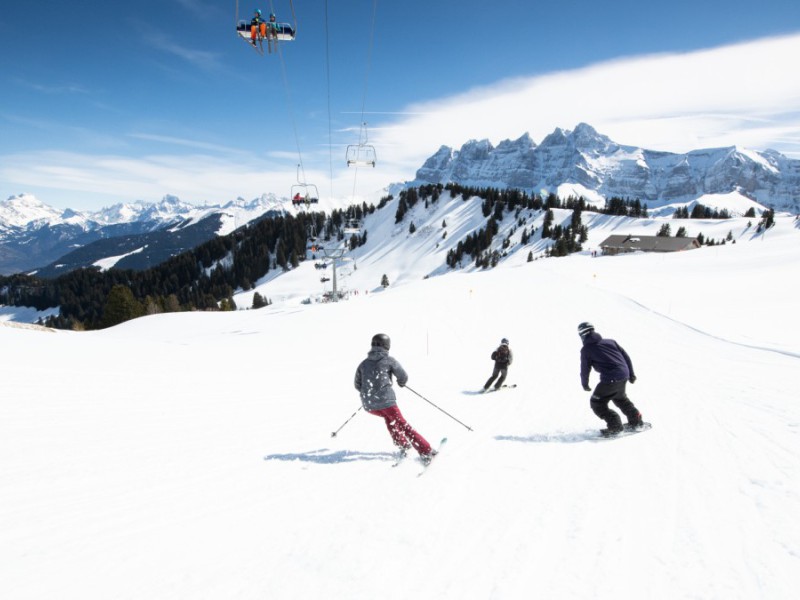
[(609, 359), (373, 380)]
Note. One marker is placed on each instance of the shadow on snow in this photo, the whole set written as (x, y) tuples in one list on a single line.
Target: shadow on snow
[(328, 457), (558, 437)]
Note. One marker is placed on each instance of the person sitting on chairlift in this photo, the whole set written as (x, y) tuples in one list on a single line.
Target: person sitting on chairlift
[(257, 27)]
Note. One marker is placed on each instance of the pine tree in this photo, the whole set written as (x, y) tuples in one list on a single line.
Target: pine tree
[(120, 306), (258, 301), (385, 281), (172, 304), (549, 217), (402, 209)]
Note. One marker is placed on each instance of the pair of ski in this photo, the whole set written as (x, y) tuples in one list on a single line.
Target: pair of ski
[(425, 465)]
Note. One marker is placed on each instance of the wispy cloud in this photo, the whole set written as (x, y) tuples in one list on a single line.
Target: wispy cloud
[(199, 9), (195, 177), (64, 88), (85, 181), (744, 93), (200, 58), (184, 142)]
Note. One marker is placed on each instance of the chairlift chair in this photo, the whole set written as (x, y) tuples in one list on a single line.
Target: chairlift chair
[(304, 194), (271, 32), (352, 226), (283, 31), (361, 154)]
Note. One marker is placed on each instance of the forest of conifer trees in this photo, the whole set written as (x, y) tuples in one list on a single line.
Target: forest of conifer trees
[(207, 277)]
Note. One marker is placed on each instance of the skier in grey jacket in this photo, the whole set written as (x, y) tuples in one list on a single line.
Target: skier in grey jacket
[(373, 380)]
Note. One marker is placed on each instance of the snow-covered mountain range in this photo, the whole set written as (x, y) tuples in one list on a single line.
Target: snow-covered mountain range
[(581, 162), (33, 234), (586, 163)]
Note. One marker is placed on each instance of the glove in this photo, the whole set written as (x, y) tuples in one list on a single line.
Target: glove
[(587, 388), (401, 384), (632, 379)]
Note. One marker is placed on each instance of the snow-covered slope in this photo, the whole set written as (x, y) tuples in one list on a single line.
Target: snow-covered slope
[(189, 455), (597, 167), (406, 257)]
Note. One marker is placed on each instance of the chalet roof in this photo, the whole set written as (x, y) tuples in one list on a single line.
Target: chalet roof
[(649, 243)]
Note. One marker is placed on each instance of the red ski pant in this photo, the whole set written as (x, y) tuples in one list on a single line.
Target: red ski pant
[(403, 435)]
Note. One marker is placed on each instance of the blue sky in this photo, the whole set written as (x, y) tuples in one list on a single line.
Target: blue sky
[(103, 102)]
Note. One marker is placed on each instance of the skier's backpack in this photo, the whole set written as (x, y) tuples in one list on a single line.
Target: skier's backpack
[(501, 354)]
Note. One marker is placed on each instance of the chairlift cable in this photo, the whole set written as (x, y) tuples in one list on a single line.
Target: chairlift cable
[(369, 58), (328, 77), (362, 131), (289, 105)]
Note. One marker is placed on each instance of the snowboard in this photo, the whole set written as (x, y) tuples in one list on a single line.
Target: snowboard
[(625, 432), (502, 387)]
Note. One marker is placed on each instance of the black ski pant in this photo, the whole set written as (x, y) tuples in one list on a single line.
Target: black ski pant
[(613, 391), (501, 370)]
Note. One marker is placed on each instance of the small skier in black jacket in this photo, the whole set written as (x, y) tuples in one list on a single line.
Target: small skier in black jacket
[(609, 359), (502, 357)]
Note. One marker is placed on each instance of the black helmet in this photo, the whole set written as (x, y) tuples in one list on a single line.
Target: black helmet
[(504, 342), (382, 340), (585, 329)]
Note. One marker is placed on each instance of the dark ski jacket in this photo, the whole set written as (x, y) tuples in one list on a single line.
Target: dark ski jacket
[(374, 379), (502, 359), (606, 357)]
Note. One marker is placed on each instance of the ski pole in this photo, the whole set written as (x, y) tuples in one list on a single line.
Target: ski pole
[(346, 422), (432, 404)]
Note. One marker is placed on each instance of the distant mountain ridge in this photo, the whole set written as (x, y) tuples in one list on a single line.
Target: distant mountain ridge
[(582, 162), (586, 163), (34, 235)]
